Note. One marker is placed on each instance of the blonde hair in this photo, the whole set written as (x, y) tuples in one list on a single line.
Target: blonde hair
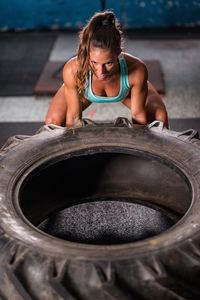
[(102, 31)]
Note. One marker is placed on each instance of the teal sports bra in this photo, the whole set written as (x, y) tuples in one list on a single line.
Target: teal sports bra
[(124, 85)]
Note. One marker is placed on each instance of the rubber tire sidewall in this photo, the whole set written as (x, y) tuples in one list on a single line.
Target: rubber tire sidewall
[(17, 162)]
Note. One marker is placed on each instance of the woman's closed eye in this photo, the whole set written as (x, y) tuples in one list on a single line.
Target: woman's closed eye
[(109, 63)]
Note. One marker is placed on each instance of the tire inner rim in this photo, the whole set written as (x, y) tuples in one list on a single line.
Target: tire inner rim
[(105, 196)]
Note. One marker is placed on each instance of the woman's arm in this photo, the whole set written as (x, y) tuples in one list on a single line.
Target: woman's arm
[(73, 112), (57, 110), (139, 93)]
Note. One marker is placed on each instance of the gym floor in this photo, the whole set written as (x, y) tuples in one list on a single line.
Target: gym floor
[(179, 59)]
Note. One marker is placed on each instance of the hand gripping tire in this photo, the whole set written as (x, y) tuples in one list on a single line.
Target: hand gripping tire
[(156, 166)]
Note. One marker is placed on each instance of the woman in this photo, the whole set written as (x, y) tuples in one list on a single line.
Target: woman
[(101, 72)]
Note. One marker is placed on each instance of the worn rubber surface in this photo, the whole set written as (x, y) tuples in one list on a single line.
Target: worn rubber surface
[(35, 265)]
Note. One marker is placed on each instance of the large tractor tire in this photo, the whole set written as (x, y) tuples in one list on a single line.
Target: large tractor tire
[(100, 211)]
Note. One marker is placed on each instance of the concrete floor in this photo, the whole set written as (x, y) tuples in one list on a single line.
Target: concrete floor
[(180, 63)]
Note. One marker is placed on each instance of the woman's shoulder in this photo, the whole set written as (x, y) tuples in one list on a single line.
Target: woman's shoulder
[(136, 67), (134, 63), (71, 64), (70, 69)]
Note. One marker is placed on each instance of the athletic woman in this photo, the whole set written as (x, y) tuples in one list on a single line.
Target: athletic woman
[(101, 72)]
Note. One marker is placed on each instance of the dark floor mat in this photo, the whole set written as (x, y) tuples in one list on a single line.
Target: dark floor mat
[(184, 124), (22, 58), (8, 129), (50, 79)]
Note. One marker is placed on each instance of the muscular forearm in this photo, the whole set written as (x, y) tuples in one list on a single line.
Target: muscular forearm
[(139, 118), (71, 119)]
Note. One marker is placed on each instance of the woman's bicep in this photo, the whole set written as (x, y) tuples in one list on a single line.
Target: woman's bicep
[(139, 88), (73, 113)]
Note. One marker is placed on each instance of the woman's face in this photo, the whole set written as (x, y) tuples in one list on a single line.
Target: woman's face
[(104, 64)]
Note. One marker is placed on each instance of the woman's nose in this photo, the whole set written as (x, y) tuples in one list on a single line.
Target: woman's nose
[(102, 69)]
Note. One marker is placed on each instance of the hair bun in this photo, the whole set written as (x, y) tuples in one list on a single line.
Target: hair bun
[(105, 22), (109, 19)]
